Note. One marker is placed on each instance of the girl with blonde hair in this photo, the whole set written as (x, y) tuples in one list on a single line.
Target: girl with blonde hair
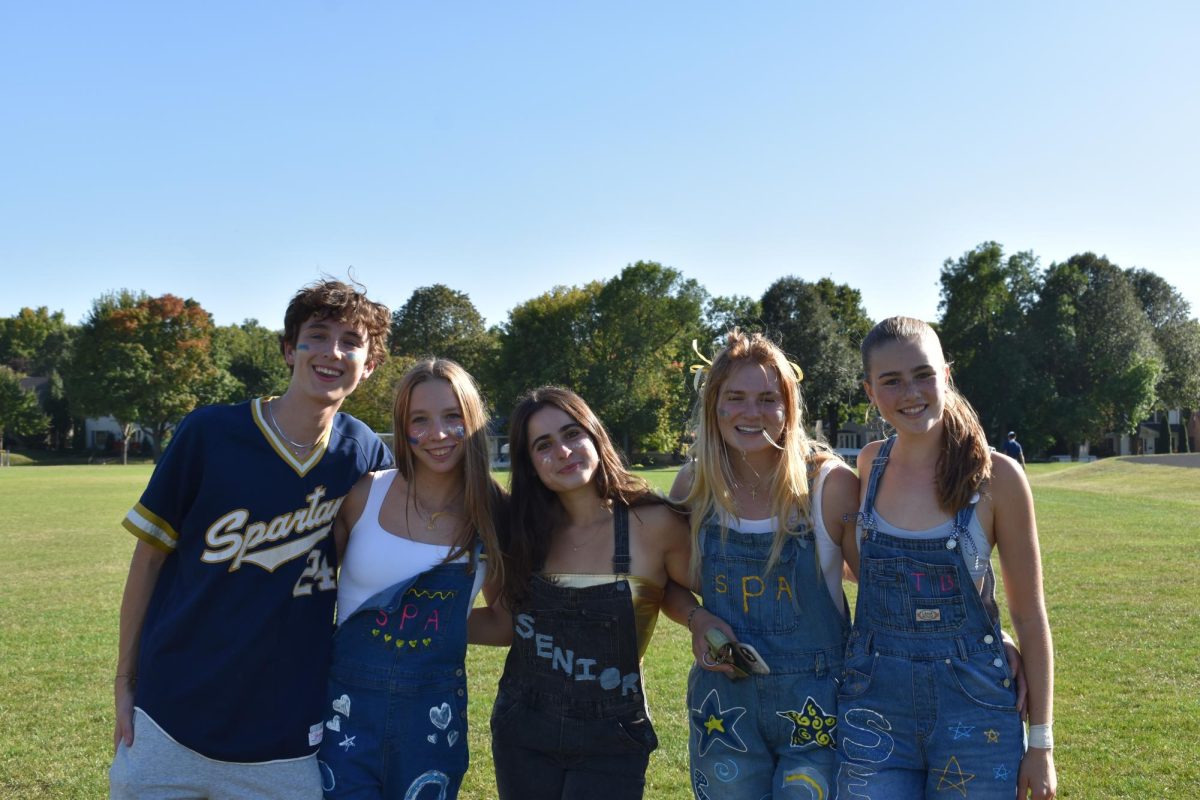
[(767, 508), (419, 536)]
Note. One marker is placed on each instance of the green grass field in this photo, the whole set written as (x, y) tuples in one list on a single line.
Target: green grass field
[(1121, 554)]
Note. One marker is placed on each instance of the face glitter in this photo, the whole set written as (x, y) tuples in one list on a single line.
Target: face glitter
[(302, 346), (458, 432)]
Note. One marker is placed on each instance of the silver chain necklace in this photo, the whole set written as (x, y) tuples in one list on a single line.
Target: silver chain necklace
[(282, 435)]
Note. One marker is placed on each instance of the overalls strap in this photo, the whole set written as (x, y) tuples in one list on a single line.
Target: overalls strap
[(622, 562), (877, 467)]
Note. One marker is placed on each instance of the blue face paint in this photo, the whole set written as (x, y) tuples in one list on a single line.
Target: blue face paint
[(301, 346), (414, 440), (351, 356)]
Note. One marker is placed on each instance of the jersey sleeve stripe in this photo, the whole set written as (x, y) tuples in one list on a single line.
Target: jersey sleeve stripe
[(150, 527)]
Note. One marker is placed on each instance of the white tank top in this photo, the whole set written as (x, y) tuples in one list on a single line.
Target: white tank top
[(376, 559), (828, 553)]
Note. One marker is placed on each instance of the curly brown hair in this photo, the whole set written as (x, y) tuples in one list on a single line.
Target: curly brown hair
[(344, 302)]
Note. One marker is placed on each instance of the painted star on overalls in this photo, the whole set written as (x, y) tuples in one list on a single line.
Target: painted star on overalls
[(716, 724), (953, 770), (993, 735), (813, 725), (961, 731), (347, 743), (1001, 773)]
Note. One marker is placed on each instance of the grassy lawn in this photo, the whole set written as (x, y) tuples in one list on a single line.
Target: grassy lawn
[(1121, 556)]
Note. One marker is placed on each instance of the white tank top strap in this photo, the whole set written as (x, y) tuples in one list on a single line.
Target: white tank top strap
[(380, 483)]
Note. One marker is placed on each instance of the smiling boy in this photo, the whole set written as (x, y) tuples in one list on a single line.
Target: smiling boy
[(228, 608)]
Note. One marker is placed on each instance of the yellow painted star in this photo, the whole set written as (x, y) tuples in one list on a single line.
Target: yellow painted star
[(953, 770), (992, 735), (714, 724)]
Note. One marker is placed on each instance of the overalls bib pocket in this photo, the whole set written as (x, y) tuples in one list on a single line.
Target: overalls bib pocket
[(912, 596), (753, 601)]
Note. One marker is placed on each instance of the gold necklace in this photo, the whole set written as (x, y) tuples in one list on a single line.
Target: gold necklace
[(431, 519), (757, 478)]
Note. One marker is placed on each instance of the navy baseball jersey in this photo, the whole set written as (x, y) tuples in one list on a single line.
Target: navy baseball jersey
[(234, 650)]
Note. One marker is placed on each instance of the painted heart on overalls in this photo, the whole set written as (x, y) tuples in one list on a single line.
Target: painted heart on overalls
[(440, 716), (387, 637), (375, 631), (431, 738), (335, 724), (451, 738), (426, 642), (342, 705), (412, 642)]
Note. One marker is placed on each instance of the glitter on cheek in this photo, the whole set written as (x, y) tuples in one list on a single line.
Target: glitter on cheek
[(458, 432), (723, 412), (302, 346), (778, 414), (545, 459), (351, 356), (416, 436)]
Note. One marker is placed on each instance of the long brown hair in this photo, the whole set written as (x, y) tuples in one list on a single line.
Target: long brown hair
[(964, 463), (535, 512), (800, 458), (483, 498)]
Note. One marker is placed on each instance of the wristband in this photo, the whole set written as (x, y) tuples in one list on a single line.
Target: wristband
[(691, 614), (1041, 736)]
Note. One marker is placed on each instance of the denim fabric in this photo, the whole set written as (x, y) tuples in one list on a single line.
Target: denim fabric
[(927, 706), (772, 735), (397, 725), (570, 718)]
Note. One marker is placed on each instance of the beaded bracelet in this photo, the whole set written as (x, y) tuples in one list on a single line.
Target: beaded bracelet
[(691, 614)]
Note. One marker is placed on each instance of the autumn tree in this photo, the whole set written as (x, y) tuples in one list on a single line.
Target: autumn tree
[(145, 360)]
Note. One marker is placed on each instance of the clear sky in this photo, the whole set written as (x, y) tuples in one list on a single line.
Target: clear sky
[(232, 151)]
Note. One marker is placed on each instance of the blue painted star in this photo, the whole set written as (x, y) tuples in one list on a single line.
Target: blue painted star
[(961, 731), (1001, 773), (347, 743), (716, 724)]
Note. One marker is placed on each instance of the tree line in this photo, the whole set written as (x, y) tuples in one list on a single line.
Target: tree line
[(1064, 354)]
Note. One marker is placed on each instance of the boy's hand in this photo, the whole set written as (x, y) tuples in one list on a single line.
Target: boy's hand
[(123, 693)]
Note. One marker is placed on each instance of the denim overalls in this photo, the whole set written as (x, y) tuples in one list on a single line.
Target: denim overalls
[(570, 717), (772, 735), (397, 715), (927, 706)]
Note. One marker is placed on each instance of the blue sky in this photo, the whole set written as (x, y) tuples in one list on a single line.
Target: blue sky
[(232, 151)]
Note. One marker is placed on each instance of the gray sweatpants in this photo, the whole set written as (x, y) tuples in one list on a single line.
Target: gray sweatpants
[(157, 767)]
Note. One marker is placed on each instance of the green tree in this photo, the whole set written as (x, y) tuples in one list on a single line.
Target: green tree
[(250, 354), (724, 313), (545, 341), (144, 360), (795, 314), (373, 400), (646, 319), (985, 301), (1096, 347), (1177, 335), (34, 341), (19, 411), (439, 321)]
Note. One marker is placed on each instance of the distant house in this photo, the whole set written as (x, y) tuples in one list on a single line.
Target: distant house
[(104, 434), (1162, 432)]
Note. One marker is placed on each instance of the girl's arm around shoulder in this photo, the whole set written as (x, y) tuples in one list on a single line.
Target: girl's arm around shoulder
[(490, 623), (350, 511), (839, 505)]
